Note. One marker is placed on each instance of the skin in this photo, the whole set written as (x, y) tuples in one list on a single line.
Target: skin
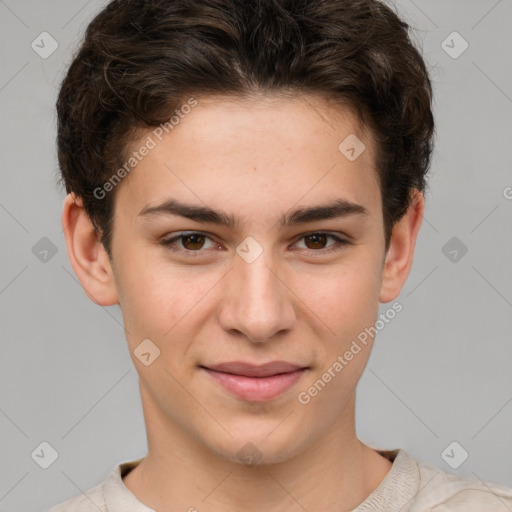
[(255, 158)]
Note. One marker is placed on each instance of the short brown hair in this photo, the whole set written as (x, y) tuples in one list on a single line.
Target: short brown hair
[(141, 59)]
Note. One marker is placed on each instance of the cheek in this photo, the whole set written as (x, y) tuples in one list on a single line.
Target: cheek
[(345, 296), (147, 301), (159, 299), (348, 304)]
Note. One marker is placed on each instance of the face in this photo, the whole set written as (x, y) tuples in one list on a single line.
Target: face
[(287, 267)]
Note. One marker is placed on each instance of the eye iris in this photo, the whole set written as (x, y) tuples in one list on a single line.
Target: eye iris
[(318, 239), (194, 237)]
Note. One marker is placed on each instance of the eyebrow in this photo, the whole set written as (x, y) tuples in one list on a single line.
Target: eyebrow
[(335, 209)]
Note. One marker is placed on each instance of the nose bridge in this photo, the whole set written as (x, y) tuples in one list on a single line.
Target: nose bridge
[(259, 306)]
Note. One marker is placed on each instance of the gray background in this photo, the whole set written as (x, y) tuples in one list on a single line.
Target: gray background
[(440, 372)]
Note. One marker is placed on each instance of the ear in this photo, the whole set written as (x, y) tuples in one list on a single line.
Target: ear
[(86, 253), (399, 257)]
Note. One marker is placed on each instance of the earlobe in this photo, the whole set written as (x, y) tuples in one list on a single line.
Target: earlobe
[(86, 253), (399, 256)]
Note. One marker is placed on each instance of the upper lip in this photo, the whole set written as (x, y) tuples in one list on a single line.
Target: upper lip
[(252, 370)]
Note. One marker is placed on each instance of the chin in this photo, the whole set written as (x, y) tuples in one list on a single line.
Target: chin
[(257, 450)]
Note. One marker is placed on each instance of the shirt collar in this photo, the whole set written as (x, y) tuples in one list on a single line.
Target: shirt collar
[(118, 498), (399, 487), (396, 491)]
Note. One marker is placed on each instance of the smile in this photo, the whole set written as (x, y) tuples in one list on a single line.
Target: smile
[(256, 389)]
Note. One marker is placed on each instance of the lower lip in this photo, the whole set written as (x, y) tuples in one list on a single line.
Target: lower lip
[(256, 389)]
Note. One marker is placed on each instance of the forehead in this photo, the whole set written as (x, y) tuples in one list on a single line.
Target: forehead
[(283, 147)]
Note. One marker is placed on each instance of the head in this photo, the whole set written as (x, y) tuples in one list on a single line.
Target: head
[(293, 139)]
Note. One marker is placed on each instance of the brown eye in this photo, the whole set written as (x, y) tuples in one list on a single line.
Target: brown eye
[(193, 242), (318, 240), (189, 243), (318, 243)]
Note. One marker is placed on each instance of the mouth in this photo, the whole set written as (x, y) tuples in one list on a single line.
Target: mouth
[(256, 383)]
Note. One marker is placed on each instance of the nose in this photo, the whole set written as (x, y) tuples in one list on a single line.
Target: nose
[(256, 302)]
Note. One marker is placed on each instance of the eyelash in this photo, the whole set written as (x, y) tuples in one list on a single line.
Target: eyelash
[(339, 245)]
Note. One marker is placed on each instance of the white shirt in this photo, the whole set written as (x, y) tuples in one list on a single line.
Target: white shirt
[(409, 486)]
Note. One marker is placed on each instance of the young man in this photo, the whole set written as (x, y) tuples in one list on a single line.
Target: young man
[(245, 179)]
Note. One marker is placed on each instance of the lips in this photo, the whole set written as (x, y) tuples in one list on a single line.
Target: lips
[(255, 383), (250, 370)]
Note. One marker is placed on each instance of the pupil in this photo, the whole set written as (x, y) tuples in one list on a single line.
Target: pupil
[(196, 237), (317, 239)]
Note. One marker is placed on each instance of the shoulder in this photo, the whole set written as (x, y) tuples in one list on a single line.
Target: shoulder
[(91, 500), (443, 492), (105, 496)]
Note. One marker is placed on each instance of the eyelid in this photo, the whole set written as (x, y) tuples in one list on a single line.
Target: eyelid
[(168, 241), (341, 241), (335, 234)]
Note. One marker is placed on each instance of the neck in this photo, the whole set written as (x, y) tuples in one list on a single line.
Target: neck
[(334, 472)]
